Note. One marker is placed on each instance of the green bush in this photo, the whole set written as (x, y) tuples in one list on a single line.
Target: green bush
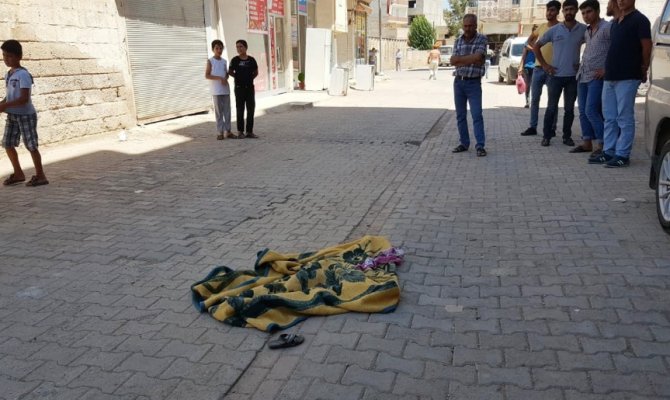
[(421, 33)]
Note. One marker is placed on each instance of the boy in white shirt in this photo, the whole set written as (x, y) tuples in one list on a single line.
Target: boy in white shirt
[(217, 73), (21, 116)]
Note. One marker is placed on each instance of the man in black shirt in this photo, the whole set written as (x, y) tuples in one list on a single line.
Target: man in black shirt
[(626, 66), (244, 69)]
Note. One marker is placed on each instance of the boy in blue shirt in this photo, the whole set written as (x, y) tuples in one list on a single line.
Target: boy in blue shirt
[(21, 116), (527, 66)]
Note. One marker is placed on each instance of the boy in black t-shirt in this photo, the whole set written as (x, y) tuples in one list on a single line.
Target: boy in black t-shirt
[(244, 69)]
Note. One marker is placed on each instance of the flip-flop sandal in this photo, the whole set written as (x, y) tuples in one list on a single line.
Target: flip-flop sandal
[(11, 180), (35, 181), (580, 149), (286, 340), (459, 149)]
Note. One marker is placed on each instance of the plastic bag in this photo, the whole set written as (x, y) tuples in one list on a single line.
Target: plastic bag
[(520, 84)]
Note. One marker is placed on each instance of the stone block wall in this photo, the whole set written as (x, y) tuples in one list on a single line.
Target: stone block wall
[(76, 53)]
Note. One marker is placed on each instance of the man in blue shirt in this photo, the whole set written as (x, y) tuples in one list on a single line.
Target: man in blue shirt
[(468, 58), (527, 66), (567, 38), (625, 67)]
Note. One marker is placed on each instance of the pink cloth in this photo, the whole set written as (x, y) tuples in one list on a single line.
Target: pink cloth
[(390, 256)]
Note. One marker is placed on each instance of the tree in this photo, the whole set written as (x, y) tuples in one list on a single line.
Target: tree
[(454, 16), (421, 33)]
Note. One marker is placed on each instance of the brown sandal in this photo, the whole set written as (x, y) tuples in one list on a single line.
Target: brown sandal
[(581, 149), (35, 181), (12, 180)]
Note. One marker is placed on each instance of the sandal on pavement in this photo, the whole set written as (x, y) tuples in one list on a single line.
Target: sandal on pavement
[(286, 340), (35, 181), (251, 135), (12, 180), (568, 142), (481, 152), (581, 149), (220, 136), (459, 149)]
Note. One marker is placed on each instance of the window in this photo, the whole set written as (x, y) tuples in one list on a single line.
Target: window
[(516, 2), (664, 24), (411, 4), (517, 49), (472, 3)]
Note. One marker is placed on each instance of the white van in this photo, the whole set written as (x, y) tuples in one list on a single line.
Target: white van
[(510, 56), (657, 117), (446, 52)]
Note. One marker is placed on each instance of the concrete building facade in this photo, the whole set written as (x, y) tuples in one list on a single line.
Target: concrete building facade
[(433, 10), (106, 65), (500, 19), (76, 54)]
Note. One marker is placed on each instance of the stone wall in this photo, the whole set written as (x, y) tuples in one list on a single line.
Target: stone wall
[(75, 50)]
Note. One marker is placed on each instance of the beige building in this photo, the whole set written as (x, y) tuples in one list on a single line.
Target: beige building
[(499, 19), (433, 10), (394, 30), (394, 16), (105, 65)]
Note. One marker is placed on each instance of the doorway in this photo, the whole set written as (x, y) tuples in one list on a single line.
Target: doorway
[(277, 49)]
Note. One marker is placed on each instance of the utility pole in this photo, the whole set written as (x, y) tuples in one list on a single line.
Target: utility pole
[(381, 53)]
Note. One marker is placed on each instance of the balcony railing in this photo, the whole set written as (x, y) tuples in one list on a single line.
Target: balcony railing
[(398, 10), (488, 11)]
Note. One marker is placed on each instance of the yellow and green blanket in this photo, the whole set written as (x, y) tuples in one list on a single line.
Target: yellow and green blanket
[(284, 289)]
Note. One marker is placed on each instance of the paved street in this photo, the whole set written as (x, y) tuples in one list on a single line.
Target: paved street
[(524, 279)]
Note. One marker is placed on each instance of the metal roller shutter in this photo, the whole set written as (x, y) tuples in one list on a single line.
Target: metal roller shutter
[(167, 48)]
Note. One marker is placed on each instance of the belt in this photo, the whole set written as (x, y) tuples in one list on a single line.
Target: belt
[(467, 78)]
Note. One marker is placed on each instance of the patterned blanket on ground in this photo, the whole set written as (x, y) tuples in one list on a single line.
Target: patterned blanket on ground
[(284, 289)]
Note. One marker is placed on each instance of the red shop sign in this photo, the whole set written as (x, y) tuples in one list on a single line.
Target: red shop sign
[(258, 16)]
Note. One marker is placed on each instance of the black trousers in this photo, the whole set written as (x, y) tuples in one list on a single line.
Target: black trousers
[(245, 97)]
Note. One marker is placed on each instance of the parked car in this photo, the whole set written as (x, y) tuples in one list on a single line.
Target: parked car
[(510, 57), (446, 52), (657, 117)]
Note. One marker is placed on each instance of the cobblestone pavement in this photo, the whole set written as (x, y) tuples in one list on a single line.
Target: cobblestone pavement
[(524, 278)]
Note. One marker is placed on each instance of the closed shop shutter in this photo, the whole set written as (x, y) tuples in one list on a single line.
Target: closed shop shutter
[(167, 48)]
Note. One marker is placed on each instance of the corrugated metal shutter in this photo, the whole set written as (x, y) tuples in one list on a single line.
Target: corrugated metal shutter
[(167, 47)]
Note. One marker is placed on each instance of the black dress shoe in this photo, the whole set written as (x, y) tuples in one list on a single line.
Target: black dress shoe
[(546, 142), (568, 142), (529, 132)]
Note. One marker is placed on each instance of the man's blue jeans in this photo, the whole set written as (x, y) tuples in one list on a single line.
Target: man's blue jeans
[(555, 86), (539, 79), (591, 110), (619, 111), (469, 91)]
